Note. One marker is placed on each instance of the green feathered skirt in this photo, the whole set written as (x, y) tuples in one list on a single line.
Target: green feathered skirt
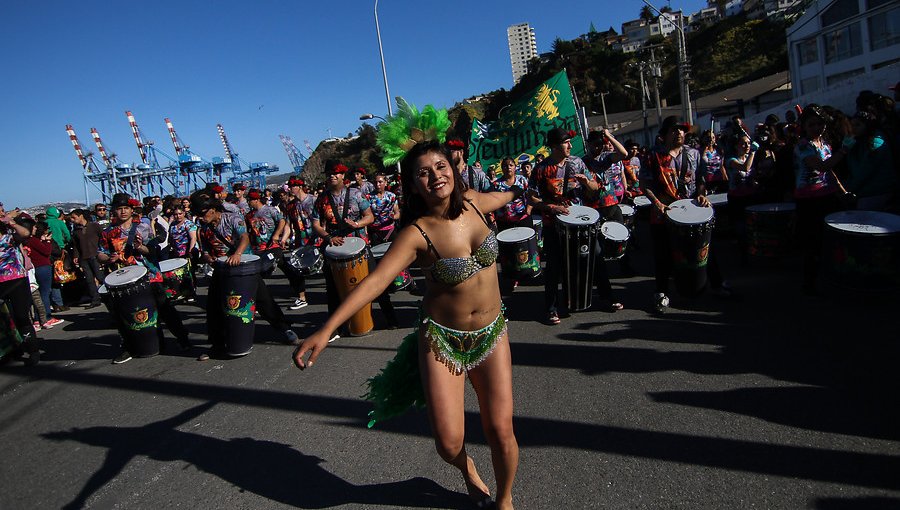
[(399, 384)]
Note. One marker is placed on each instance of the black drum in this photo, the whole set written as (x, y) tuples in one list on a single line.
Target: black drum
[(578, 231), (519, 258), (133, 302), (862, 250), (615, 239), (239, 284), (690, 227), (719, 203)]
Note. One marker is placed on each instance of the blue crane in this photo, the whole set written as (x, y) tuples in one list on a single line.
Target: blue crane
[(294, 154), (195, 171), (254, 174)]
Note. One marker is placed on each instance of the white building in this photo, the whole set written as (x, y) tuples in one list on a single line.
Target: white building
[(838, 39), (757, 9), (522, 48)]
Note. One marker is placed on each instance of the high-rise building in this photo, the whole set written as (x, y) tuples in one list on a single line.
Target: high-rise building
[(522, 48)]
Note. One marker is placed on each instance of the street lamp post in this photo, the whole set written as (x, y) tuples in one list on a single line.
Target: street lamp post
[(387, 91), (603, 103)]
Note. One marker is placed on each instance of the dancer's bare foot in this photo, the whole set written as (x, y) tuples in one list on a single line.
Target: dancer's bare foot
[(478, 491)]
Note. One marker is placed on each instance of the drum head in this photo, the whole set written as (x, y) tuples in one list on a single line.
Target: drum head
[(379, 250), (717, 199), (579, 215), (102, 289), (246, 258), (515, 234), (351, 249), (686, 212), (537, 222), (772, 208), (172, 264), (864, 222), (125, 276), (627, 210), (641, 201), (614, 231)]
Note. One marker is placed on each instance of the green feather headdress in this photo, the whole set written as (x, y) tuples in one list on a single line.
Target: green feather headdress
[(399, 133)]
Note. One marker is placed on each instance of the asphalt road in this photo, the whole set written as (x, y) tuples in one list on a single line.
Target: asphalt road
[(769, 400)]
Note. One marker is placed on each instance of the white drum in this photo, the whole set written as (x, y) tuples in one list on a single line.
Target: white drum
[(862, 250), (578, 233), (615, 239)]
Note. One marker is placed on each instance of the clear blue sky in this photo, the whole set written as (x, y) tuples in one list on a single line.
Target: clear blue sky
[(259, 68)]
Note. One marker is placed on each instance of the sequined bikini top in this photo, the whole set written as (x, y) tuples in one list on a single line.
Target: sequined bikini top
[(455, 270)]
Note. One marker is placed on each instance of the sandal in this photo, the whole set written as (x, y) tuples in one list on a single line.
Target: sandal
[(553, 318), (611, 307)]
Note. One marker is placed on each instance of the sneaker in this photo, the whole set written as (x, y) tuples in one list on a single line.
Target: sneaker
[(37, 326), (292, 337), (52, 322), (125, 357), (335, 337), (298, 304), (93, 304), (661, 301)]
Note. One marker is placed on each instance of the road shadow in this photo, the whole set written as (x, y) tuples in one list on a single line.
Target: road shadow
[(272, 470)]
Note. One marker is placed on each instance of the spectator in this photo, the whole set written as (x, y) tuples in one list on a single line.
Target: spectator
[(87, 239)]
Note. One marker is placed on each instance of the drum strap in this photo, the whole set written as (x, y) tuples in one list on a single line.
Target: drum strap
[(222, 239), (680, 188), (566, 176), (342, 224)]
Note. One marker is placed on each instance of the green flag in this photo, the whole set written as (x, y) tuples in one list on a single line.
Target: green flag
[(521, 130)]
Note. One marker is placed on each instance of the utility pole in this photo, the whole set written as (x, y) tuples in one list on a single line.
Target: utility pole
[(656, 73), (603, 103), (683, 66), (644, 108)]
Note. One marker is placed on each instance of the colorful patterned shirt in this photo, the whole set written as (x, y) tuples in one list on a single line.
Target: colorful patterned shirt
[(517, 209), (382, 208), (261, 225), (608, 175), (180, 238), (12, 263), (810, 182), (547, 181), (328, 218), (114, 240), (222, 239), (665, 174), (299, 214), (711, 166)]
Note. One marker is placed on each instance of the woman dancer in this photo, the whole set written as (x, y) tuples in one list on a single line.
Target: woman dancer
[(446, 234)]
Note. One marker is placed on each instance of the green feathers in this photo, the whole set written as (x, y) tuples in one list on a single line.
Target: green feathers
[(401, 132), (399, 385)]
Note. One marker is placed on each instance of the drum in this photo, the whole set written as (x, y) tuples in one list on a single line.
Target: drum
[(578, 233), (770, 229), (538, 232), (690, 230), (519, 258), (307, 260), (177, 280), (404, 279), (103, 292), (134, 304), (862, 250), (239, 285), (615, 239), (349, 264), (627, 216), (642, 206), (719, 203)]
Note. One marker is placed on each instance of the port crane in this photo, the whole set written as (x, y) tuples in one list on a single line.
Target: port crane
[(123, 176), (195, 171), (156, 179), (94, 176), (254, 174), (297, 158)]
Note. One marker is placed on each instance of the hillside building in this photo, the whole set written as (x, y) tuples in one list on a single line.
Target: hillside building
[(522, 48), (836, 40)]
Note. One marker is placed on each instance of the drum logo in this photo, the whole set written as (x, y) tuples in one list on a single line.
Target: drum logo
[(584, 249), (233, 301), (141, 316), (522, 257), (142, 319)]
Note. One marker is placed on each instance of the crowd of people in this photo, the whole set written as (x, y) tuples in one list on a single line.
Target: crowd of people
[(443, 215)]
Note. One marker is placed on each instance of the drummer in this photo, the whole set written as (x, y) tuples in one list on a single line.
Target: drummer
[(473, 177), (558, 181), (128, 243), (672, 175), (632, 164), (341, 211), (240, 190), (224, 234), (299, 212), (516, 213), (604, 159), (265, 224), (385, 209)]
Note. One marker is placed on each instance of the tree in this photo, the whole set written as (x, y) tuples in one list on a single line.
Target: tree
[(647, 13)]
